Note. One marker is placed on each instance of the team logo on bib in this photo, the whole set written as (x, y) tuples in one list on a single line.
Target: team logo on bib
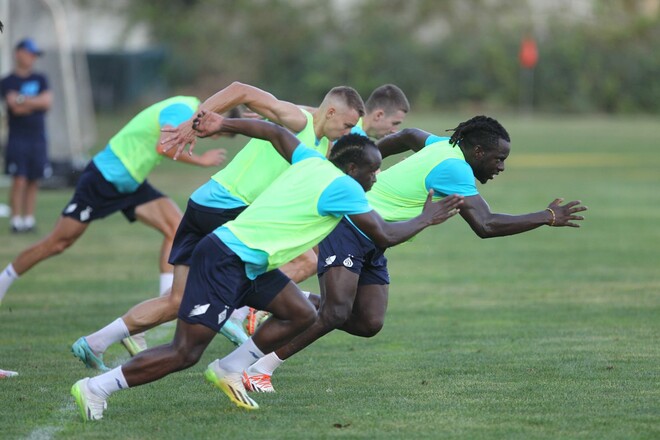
[(348, 262), (331, 259)]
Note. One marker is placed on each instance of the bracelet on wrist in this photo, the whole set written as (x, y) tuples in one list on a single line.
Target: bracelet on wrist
[(554, 218)]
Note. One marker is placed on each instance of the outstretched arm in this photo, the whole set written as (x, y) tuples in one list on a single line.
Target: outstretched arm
[(407, 139), (487, 224), (208, 124), (386, 234), (257, 100)]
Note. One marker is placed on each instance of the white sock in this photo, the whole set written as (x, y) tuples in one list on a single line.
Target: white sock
[(7, 277), (29, 221), (108, 383), (108, 335), (239, 315), (241, 358), (266, 365), (166, 280)]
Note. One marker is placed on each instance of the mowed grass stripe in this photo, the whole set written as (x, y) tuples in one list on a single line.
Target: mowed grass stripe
[(551, 334)]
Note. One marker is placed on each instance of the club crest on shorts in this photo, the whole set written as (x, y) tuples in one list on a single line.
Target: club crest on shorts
[(348, 262), (222, 316), (85, 213), (72, 207), (331, 259)]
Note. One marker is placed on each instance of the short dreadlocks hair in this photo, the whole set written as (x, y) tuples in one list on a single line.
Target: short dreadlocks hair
[(480, 130)]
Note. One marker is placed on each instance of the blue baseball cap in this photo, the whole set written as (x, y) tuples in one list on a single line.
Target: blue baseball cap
[(29, 45)]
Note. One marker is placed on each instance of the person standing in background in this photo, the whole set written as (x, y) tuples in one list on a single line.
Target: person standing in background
[(28, 98)]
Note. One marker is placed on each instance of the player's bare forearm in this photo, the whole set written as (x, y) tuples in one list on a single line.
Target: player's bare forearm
[(486, 224), (386, 234), (405, 140), (41, 102), (231, 96), (259, 101), (282, 139)]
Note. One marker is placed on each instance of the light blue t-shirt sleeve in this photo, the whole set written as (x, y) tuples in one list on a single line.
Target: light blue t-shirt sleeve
[(303, 152), (433, 139), (452, 176), (175, 114), (344, 196)]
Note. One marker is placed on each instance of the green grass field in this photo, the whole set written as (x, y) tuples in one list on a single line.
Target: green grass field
[(552, 334)]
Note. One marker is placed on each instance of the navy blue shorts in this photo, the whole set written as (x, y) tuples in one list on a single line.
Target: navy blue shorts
[(198, 221), (96, 198), (217, 285), (27, 158), (347, 247)]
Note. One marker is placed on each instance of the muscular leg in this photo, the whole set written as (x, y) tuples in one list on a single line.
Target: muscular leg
[(17, 195), (161, 214), (187, 347), (298, 270), (368, 314), (291, 314), (65, 233), (30, 200), (156, 311), (338, 291)]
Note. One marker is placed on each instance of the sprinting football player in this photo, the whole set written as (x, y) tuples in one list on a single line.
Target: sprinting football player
[(237, 263), (225, 196), (352, 268), (116, 180)]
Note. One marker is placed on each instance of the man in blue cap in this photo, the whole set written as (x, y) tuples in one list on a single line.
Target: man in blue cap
[(28, 97)]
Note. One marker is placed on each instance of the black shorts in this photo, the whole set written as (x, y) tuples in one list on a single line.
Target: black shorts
[(27, 158), (217, 285), (197, 222), (347, 247), (96, 198)]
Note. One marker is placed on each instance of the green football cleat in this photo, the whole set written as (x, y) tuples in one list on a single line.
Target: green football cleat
[(231, 384), (82, 351), (134, 344), (90, 405), (234, 332)]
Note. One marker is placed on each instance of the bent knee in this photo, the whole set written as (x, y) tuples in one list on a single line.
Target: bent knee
[(306, 315), (187, 357), (334, 317), (372, 327)]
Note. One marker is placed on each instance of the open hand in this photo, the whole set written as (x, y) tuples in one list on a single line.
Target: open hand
[(443, 209), (207, 123), (564, 215), (179, 137)]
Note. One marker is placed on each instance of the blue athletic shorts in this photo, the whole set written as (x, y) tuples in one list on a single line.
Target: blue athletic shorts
[(27, 158), (217, 285), (347, 247), (96, 198), (198, 221)]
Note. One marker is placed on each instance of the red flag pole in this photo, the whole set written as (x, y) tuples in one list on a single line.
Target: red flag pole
[(528, 57)]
